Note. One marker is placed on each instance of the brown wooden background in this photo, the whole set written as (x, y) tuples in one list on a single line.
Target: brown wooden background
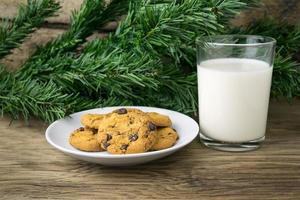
[(288, 10)]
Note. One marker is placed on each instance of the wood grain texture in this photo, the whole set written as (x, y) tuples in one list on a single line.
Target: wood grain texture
[(32, 169)]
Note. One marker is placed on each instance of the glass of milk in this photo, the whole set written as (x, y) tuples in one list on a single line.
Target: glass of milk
[(234, 81)]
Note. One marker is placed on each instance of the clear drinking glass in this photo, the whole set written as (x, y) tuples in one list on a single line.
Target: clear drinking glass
[(234, 81)]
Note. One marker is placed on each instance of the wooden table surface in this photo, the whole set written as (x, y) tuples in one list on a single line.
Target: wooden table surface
[(31, 169)]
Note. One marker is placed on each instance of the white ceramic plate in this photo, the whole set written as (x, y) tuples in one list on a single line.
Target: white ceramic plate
[(57, 134)]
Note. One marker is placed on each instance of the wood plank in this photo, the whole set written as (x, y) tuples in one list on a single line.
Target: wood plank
[(30, 168)]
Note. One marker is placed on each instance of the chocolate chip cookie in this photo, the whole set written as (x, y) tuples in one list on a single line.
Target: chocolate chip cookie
[(124, 118), (167, 137), (85, 139), (127, 131), (159, 119), (91, 120)]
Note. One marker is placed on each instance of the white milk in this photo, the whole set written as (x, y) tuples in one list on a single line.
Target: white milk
[(234, 98)]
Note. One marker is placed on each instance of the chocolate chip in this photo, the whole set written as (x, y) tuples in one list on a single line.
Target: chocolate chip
[(105, 145), (133, 137), (108, 137), (124, 147), (121, 111), (151, 126), (174, 129), (94, 130), (131, 120), (81, 129)]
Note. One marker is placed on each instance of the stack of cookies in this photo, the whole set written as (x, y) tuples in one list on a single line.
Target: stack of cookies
[(124, 131)]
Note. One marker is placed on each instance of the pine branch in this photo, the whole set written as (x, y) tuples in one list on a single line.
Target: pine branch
[(92, 15), (114, 63), (286, 77), (178, 92), (169, 21), (45, 101), (114, 73), (127, 76), (170, 29), (81, 22), (30, 17), (140, 64), (114, 10)]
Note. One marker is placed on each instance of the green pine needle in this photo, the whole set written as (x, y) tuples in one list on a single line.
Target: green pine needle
[(286, 77), (30, 16), (92, 15)]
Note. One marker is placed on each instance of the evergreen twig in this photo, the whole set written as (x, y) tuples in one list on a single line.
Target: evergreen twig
[(43, 100), (30, 16), (140, 64), (286, 77), (92, 15)]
